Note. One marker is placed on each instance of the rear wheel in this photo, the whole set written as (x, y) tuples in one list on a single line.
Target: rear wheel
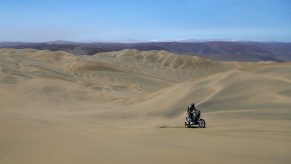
[(202, 123)]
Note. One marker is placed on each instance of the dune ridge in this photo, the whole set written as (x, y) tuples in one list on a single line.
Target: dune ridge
[(163, 64)]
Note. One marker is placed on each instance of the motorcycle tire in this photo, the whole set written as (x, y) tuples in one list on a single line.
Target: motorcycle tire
[(187, 125), (202, 123)]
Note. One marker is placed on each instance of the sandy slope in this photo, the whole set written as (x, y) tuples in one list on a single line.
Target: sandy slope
[(129, 106)]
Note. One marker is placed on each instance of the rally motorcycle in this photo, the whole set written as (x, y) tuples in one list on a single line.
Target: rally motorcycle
[(196, 120)]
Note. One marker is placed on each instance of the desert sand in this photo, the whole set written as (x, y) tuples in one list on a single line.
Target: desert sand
[(129, 107)]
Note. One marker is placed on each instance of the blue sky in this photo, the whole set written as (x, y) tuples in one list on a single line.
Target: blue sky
[(145, 20)]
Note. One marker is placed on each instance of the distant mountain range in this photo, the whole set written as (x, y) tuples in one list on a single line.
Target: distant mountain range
[(216, 50)]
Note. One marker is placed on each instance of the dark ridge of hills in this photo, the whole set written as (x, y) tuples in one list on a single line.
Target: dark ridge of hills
[(216, 50), (73, 48)]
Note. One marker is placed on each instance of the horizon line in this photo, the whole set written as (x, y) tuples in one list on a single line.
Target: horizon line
[(143, 41)]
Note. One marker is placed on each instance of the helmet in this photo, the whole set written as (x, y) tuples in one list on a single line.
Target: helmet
[(192, 105)]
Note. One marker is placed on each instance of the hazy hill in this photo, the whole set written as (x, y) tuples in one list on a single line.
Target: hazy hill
[(216, 50)]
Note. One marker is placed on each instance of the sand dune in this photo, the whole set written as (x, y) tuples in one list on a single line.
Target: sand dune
[(162, 64), (128, 107)]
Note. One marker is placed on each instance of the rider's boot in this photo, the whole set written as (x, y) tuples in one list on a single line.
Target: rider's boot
[(191, 121)]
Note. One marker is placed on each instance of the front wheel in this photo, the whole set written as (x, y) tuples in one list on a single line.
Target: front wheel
[(202, 123), (187, 125)]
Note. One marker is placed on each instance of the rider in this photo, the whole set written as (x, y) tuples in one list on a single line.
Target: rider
[(192, 112)]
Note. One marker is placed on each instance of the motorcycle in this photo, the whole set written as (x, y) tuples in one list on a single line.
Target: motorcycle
[(192, 122)]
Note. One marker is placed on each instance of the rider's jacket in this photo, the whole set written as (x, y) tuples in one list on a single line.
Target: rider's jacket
[(191, 109)]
